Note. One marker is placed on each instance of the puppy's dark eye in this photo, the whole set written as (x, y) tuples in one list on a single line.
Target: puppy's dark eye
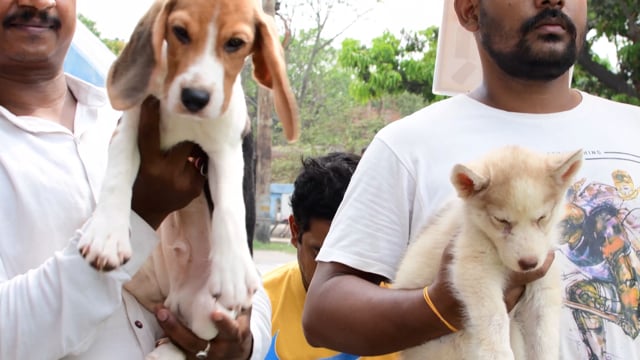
[(541, 218), (233, 45), (181, 34)]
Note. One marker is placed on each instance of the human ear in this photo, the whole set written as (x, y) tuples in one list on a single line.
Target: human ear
[(467, 11), (293, 228)]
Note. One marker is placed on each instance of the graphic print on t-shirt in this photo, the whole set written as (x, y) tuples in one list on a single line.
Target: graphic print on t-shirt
[(602, 233)]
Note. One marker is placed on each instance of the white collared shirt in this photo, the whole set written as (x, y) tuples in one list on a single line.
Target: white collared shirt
[(53, 305)]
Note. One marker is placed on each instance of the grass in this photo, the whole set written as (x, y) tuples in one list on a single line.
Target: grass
[(274, 246)]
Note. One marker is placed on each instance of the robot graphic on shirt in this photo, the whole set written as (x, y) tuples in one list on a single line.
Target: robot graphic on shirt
[(602, 231)]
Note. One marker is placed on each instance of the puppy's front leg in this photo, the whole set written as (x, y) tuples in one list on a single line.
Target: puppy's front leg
[(539, 316), (105, 242), (481, 291), (234, 277)]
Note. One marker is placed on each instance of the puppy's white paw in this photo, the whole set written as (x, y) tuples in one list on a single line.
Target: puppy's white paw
[(105, 242), (233, 281), (200, 316)]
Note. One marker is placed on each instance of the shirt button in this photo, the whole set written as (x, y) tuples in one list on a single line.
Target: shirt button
[(138, 324)]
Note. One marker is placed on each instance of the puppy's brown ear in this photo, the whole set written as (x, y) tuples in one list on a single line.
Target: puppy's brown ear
[(269, 70), (565, 166), (128, 79), (467, 182)]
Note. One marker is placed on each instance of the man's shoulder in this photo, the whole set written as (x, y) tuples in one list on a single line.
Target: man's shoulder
[(458, 104), (89, 94), (607, 104), (92, 96), (440, 113), (437, 119)]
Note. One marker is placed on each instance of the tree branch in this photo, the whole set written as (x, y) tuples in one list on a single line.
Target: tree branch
[(604, 75)]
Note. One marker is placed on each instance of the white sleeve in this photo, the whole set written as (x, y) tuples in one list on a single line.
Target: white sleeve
[(55, 309), (371, 228), (260, 324)]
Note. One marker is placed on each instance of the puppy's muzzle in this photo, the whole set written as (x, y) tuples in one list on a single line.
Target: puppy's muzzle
[(194, 100)]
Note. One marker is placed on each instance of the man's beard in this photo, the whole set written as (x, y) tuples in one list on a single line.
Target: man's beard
[(522, 62)]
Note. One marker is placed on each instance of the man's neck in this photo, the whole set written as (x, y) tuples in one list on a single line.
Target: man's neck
[(38, 94), (526, 96)]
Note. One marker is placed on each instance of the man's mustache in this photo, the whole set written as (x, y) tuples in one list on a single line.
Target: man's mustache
[(25, 15), (547, 15)]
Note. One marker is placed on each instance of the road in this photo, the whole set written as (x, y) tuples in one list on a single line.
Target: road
[(270, 259)]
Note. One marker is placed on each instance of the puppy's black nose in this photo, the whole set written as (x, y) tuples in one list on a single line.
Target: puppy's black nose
[(194, 100)]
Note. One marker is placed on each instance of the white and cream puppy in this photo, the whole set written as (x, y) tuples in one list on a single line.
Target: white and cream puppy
[(505, 219)]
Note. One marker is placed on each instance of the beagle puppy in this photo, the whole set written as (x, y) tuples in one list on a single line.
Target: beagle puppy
[(189, 54)]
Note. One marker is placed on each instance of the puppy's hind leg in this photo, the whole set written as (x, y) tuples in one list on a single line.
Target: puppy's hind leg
[(105, 242)]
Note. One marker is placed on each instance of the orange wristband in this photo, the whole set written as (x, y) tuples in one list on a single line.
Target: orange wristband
[(427, 299)]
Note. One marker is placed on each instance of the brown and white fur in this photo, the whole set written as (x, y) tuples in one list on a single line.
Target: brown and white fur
[(505, 219), (189, 54)]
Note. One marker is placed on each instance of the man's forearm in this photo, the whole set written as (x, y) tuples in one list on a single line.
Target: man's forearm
[(56, 307), (349, 314), (260, 324)]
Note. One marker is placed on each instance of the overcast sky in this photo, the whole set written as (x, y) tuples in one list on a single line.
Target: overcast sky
[(117, 18)]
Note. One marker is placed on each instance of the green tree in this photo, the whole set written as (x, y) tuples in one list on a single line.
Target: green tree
[(618, 21), (391, 65), (321, 89), (115, 45), (90, 24)]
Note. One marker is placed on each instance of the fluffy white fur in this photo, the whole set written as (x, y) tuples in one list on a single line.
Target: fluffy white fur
[(505, 219)]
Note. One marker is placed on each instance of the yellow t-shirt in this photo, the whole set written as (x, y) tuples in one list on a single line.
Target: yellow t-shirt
[(287, 295)]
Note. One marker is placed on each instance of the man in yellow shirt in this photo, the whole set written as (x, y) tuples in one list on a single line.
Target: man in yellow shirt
[(318, 191)]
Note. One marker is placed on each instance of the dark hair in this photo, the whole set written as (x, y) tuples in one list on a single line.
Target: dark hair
[(320, 187)]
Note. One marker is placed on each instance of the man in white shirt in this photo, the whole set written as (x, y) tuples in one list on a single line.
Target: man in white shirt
[(527, 48), (55, 131)]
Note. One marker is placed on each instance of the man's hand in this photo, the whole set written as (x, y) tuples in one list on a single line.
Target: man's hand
[(442, 295), (234, 340), (167, 180), (518, 280)]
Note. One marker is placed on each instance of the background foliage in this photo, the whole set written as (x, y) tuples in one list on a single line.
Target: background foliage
[(348, 90)]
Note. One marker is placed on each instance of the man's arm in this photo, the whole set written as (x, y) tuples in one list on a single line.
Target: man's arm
[(260, 324), (347, 311), (56, 308)]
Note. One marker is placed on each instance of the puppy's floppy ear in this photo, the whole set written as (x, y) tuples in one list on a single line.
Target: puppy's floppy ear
[(467, 182), (564, 166), (128, 79), (269, 70)]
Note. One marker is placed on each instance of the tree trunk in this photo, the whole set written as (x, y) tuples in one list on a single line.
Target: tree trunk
[(249, 186), (263, 154)]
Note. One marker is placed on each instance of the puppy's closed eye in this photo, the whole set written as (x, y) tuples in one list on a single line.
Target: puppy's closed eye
[(502, 221)]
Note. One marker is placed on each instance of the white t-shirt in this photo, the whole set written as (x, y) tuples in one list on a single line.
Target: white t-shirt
[(52, 303), (403, 179)]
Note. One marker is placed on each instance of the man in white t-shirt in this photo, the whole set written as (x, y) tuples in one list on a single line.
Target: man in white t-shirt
[(54, 136), (527, 48)]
